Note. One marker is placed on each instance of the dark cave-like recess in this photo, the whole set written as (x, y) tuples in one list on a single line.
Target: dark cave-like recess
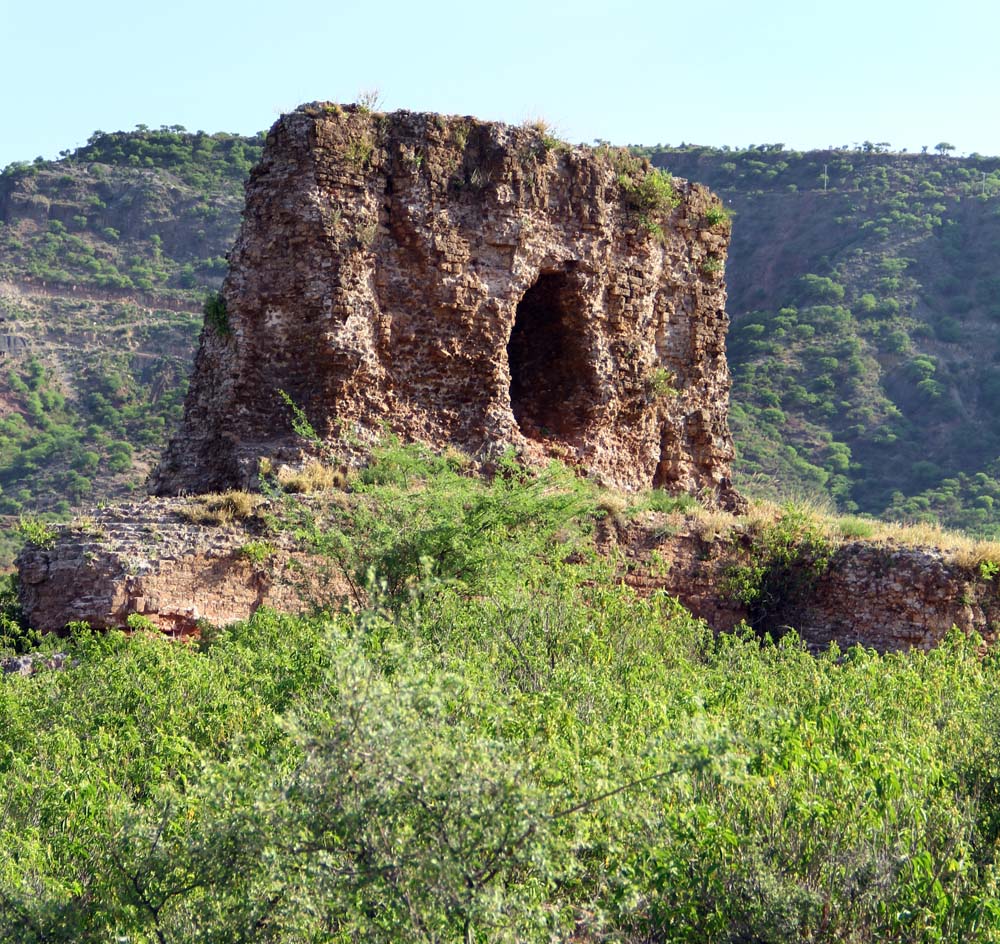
[(550, 391)]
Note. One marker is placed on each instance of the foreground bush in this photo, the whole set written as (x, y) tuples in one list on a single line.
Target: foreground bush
[(498, 747)]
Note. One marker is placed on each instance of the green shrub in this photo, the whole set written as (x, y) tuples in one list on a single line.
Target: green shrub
[(36, 532), (660, 383), (866, 304), (718, 214), (784, 560), (854, 528), (257, 552), (138, 623), (648, 191), (661, 500), (216, 313), (15, 635), (653, 193), (821, 288), (948, 329), (359, 150)]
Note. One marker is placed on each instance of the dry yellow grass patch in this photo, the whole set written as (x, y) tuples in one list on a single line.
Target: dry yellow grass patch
[(614, 504), (314, 476), (221, 508), (714, 524), (966, 551), (961, 549), (458, 460)]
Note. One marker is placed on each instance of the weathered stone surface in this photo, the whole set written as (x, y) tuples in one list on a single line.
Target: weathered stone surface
[(879, 595), (462, 283), (146, 558), (32, 663), (890, 597)]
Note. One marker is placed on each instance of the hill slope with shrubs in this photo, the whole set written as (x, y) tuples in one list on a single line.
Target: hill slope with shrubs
[(865, 345), (105, 257)]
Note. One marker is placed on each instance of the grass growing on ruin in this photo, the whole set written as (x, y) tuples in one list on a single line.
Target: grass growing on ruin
[(496, 742), (961, 549), (221, 508), (313, 476), (966, 551)]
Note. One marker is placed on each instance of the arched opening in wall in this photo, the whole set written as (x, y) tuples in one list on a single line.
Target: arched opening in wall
[(551, 393)]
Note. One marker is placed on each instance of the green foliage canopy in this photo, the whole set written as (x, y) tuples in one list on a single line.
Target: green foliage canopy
[(496, 746)]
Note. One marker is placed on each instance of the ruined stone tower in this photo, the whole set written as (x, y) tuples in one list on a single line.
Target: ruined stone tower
[(465, 283)]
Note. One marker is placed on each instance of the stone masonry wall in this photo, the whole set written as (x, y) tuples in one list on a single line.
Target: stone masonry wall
[(879, 595), (146, 558), (469, 284)]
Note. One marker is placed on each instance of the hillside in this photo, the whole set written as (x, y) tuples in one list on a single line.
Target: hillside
[(105, 257), (865, 348)]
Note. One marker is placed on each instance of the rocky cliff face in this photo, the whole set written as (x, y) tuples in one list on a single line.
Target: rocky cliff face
[(469, 284), (881, 595)]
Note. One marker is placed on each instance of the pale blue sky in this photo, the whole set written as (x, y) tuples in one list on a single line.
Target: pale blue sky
[(802, 72)]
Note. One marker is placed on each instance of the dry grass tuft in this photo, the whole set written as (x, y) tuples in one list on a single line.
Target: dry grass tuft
[(221, 508), (314, 476), (457, 459), (614, 504), (714, 524), (977, 554), (86, 524)]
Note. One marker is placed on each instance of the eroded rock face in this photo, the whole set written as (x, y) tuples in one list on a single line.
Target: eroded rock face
[(146, 558), (469, 284), (884, 596)]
